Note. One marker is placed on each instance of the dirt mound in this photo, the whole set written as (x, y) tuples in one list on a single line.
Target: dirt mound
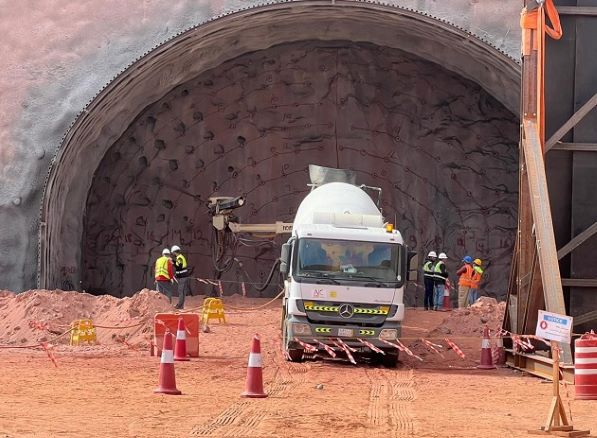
[(40, 315), (471, 320), (6, 294)]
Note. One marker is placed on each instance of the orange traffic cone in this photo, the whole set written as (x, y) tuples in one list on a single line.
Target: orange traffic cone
[(254, 386), (447, 305), (167, 380), (486, 361), (180, 349), (499, 353)]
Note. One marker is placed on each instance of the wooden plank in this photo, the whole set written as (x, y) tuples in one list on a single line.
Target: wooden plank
[(577, 241), (586, 317), (571, 122), (577, 10), (546, 244), (582, 147), (579, 282)]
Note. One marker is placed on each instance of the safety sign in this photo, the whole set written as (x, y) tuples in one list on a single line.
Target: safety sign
[(554, 327)]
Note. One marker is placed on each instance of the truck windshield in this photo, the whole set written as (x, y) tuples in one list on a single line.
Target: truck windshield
[(349, 259)]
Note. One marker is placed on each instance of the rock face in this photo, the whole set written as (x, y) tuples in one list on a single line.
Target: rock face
[(443, 151), (50, 75)]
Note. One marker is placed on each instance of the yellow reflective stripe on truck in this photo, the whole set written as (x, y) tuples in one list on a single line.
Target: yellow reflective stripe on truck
[(364, 332), (383, 310), (323, 330)]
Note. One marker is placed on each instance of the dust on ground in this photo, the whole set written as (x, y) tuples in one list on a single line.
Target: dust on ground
[(106, 390)]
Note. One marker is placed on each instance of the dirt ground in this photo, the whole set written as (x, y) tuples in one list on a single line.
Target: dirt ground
[(106, 391)]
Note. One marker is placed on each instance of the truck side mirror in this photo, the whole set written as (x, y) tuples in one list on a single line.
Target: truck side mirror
[(412, 273), (285, 258)]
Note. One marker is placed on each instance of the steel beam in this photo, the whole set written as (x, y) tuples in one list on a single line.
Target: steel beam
[(577, 241), (581, 147), (545, 239), (571, 122), (537, 365), (577, 10), (586, 317), (579, 282)]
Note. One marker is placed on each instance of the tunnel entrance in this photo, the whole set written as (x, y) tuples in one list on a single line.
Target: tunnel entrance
[(442, 147)]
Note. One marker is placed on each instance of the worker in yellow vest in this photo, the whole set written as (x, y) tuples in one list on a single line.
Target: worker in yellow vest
[(476, 279), (465, 274), (182, 272), (164, 274)]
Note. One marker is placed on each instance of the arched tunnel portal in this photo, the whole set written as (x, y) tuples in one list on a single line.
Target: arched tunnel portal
[(242, 105)]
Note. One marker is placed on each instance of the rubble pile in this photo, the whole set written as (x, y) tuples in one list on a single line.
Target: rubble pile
[(41, 315), (471, 320)]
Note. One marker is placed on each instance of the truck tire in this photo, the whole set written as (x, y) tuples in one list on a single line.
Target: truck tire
[(390, 359), (292, 354)]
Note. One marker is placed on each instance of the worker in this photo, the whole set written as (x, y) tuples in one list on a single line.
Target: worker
[(465, 276), (478, 272), (164, 274), (182, 275), (428, 279), (440, 274)]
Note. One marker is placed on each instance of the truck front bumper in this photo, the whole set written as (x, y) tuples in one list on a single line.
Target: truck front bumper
[(300, 328)]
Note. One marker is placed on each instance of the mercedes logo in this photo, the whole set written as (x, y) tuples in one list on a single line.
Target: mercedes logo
[(346, 311)]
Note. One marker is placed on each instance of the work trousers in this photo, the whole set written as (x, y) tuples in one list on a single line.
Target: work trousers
[(463, 296), (184, 288), (165, 287), (473, 296), (428, 293), (438, 299)]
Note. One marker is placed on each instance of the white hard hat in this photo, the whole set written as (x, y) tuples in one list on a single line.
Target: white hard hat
[(165, 251), (432, 254), (175, 248), (442, 255)]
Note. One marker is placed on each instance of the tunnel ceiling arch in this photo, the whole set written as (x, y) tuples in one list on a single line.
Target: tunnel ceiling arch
[(212, 44)]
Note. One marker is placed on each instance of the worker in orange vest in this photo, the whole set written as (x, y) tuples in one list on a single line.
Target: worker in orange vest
[(465, 274), (164, 274), (478, 272)]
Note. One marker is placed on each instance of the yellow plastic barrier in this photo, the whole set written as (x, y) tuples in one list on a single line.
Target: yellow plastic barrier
[(82, 331), (213, 308)]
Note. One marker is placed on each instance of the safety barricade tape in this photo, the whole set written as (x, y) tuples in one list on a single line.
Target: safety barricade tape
[(371, 346), (346, 349), (456, 349), (307, 347), (407, 351), (327, 348), (433, 347)]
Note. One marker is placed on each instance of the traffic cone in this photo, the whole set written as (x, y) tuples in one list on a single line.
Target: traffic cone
[(447, 305), (167, 381), (499, 353), (180, 349), (254, 386), (486, 361)]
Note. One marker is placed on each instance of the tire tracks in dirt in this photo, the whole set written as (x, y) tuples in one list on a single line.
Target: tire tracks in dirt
[(243, 418), (390, 401)]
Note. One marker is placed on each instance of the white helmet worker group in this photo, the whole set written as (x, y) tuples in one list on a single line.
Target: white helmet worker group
[(433, 254), (172, 268)]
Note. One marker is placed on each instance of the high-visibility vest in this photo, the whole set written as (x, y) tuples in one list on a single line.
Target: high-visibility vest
[(467, 277), (181, 265), (437, 270), (161, 267), (428, 269), (476, 278)]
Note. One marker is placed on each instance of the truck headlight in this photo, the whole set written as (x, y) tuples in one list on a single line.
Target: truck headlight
[(388, 334), (301, 329)]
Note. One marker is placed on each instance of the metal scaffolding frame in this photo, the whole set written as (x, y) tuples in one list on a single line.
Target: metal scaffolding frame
[(555, 258)]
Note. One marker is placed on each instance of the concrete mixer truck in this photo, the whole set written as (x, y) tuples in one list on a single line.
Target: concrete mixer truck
[(344, 270)]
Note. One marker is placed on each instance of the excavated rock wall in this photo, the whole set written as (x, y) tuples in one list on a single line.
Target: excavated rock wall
[(443, 150)]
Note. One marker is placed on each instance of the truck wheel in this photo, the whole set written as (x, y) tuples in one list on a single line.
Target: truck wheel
[(390, 360), (295, 354), (292, 354)]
